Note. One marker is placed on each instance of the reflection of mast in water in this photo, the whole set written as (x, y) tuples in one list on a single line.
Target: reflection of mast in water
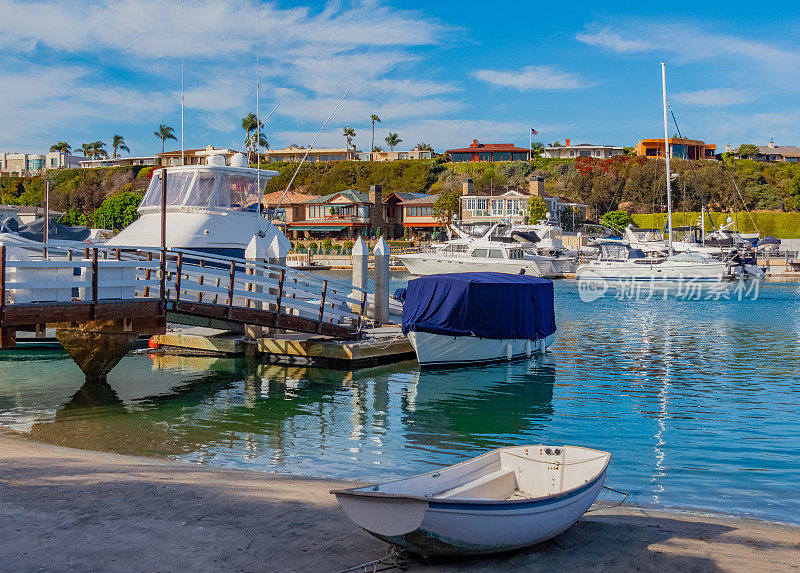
[(659, 469)]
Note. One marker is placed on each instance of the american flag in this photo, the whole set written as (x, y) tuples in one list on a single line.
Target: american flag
[(534, 132)]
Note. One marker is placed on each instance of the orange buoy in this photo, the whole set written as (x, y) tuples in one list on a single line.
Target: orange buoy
[(152, 343)]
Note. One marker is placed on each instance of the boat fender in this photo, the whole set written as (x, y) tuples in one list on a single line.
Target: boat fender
[(528, 348), (543, 345), (508, 351), (152, 343)]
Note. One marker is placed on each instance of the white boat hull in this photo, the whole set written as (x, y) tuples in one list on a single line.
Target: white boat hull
[(440, 350), (658, 272), (424, 264), (503, 500)]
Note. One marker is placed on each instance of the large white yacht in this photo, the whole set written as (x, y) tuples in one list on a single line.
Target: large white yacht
[(213, 208), (465, 253)]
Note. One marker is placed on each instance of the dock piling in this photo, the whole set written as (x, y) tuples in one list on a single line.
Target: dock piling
[(381, 305)]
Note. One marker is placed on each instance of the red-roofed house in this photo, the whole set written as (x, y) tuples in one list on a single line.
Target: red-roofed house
[(488, 152)]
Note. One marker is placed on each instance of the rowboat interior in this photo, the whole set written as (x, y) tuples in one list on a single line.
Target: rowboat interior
[(509, 474)]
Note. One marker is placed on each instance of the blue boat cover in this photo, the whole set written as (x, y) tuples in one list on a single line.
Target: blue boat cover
[(486, 305)]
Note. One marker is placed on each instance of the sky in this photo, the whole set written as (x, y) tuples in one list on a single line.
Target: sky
[(444, 73)]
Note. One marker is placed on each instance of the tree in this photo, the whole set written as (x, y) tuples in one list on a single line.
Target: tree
[(376, 149), (61, 147), (86, 149), (446, 205), (249, 124), (118, 142), (164, 133), (118, 211), (748, 150), (392, 139), (349, 133), (629, 150), (537, 147), (537, 209), (555, 144), (98, 149), (424, 147), (374, 118), (616, 220)]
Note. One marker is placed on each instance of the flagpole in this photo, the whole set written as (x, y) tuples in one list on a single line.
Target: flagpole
[(530, 144)]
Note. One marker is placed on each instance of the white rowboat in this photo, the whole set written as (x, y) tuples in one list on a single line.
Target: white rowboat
[(502, 500)]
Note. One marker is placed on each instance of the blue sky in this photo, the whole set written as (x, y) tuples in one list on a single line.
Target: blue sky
[(443, 73)]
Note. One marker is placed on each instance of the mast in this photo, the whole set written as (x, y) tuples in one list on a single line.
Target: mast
[(258, 92), (183, 159), (666, 155)]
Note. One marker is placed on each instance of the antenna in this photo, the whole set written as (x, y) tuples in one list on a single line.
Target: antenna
[(258, 90), (309, 149), (183, 160)]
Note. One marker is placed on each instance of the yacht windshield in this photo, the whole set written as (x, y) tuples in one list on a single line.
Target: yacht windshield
[(198, 188)]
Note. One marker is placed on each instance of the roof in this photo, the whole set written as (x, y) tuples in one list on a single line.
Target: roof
[(584, 145), (352, 194), (291, 198), (405, 197), (421, 199), (29, 209), (484, 147), (784, 150), (498, 191), (294, 149)]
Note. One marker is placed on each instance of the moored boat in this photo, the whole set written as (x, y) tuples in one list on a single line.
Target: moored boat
[(469, 318), (505, 499)]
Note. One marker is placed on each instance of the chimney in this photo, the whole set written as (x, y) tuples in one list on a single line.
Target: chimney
[(536, 186), (567, 142), (772, 143), (466, 187), (728, 148), (376, 216), (474, 144)]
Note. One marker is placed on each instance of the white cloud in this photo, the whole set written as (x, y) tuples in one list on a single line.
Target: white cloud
[(607, 39), (714, 97), (530, 78)]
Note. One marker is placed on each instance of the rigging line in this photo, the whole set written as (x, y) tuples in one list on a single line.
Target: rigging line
[(735, 186), (302, 161), (694, 174)]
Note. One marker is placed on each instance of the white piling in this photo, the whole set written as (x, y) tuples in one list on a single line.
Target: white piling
[(381, 305), (360, 258)]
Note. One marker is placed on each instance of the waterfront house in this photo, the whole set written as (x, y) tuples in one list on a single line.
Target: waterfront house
[(26, 214), (343, 214), (413, 211), (510, 204), (395, 155), (193, 156), (29, 164), (569, 151), (284, 210), (680, 148), (488, 152), (118, 162), (772, 152), (296, 154)]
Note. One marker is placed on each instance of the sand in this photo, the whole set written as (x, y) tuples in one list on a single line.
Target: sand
[(73, 510)]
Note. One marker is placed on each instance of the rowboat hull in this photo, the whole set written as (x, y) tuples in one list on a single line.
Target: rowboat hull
[(504, 500)]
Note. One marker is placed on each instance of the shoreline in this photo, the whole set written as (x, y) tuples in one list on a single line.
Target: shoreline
[(69, 509)]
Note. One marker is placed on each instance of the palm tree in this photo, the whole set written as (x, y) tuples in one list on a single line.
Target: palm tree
[(118, 142), (98, 149), (374, 118), (424, 147), (86, 149), (249, 124), (349, 133), (392, 139), (376, 149), (61, 147), (164, 133)]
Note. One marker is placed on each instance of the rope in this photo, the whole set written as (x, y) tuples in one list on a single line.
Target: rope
[(395, 558), (612, 506)]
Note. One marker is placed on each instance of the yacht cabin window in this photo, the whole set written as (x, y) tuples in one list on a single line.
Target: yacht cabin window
[(206, 188), (495, 254), (481, 253)]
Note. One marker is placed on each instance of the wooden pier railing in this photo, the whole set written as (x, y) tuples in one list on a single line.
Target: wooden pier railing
[(61, 284)]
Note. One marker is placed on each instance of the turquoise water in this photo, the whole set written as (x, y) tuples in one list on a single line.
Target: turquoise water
[(698, 401)]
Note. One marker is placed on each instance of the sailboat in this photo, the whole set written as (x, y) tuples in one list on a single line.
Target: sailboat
[(623, 262)]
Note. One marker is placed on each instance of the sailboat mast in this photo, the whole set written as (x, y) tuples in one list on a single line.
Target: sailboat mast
[(666, 155), (258, 94)]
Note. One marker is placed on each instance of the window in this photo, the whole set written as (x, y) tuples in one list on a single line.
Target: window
[(484, 157), (479, 253), (53, 162), (497, 206), (408, 212), (363, 211), (572, 153), (481, 204), (651, 152), (512, 206), (470, 204), (495, 254)]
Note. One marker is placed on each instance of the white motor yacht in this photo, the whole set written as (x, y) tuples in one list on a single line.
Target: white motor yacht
[(471, 254), (213, 208)]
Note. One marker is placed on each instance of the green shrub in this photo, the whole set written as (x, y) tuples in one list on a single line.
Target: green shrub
[(348, 245), (327, 243), (616, 219), (313, 246)]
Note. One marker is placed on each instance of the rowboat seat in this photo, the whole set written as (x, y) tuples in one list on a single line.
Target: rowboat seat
[(499, 484)]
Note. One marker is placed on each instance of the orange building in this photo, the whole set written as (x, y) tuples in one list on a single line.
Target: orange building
[(680, 148)]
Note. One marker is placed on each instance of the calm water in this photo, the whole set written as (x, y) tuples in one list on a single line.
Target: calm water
[(699, 402)]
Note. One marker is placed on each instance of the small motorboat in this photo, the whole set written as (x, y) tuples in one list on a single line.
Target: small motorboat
[(506, 499), (472, 318)]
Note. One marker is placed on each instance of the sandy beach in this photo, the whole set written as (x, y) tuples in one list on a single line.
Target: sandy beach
[(76, 510)]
